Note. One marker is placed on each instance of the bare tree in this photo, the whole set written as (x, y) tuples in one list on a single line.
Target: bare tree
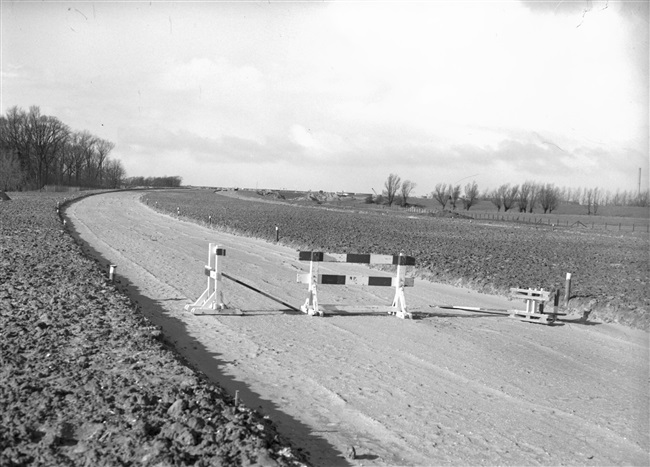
[(454, 195), (48, 152), (595, 202), (87, 143), (470, 195), (11, 177), (391, 185), (103, 148), (498, 196), (523, 197), (549, 197), (509, 197), (533, 198), (47, 137), (441, 194), (405, 191), (587, 199), (495, 198), (115, 173)]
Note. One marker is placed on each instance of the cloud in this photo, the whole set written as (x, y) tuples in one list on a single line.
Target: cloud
[(213, 76)]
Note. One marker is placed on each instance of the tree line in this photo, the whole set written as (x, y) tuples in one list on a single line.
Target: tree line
[(523, 198), (156, 182), (37, 150)]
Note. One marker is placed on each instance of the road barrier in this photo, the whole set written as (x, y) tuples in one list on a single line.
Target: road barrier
[(535, 312), (399, 281), (211, 301)]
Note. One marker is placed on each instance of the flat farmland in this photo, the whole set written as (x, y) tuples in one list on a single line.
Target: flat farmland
[(610, 271)]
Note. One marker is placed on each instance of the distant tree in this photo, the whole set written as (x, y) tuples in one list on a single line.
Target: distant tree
[(523, 196), (509, 197), (441, 194), (495, 198), (470, 195), (11, 177), (391, 185), (103, 149), (607, 198), (549, 197), (405, 191), (533, 198), (498, 196), (454, 195), (595, 200), (587, 198), (114, 173), (47, 136), (576, 195), (642, 199)]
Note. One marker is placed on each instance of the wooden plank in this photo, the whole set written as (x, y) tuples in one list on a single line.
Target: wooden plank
[(340, 279), (356, 258)]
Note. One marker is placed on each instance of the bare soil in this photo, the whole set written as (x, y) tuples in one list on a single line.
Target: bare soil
[(452, 388), (85, 379)]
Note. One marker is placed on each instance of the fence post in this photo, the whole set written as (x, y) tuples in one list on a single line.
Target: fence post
[(111, 272), (567, 288)]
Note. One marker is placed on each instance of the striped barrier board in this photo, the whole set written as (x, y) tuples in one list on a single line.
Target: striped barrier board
[(335, 279), (399, 281), (356, 258)]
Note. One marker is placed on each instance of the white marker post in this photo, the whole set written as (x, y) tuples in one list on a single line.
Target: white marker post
[(111, 272), (567, 288)]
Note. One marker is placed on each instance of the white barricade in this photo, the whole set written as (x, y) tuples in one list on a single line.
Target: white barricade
[(399, 281)]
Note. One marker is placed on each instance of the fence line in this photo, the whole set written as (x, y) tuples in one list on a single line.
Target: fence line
[(547, 220)]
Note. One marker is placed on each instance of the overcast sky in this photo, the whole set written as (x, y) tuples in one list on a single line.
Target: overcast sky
[(338, 95)]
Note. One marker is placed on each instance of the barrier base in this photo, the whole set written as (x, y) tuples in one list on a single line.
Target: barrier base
[(343, 310), (538, 318), (211, 305)]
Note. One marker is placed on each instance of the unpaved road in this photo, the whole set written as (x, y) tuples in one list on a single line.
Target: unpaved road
[(453, 388)]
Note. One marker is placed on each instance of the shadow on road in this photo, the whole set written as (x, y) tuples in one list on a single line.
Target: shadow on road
[(210, 364)]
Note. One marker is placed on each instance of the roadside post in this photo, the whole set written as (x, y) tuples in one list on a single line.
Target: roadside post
[(567, 288)]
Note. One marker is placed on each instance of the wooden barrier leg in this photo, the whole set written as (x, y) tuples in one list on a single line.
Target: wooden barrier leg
[(311, 304), (212, 260), (399, 302), (218, 285)]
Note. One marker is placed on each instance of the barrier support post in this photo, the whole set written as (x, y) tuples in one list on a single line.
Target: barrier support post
[(311, 304), (399, 302), (211, 301)]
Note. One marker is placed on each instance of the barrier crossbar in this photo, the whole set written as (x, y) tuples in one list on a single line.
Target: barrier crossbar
[(399, 281)]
